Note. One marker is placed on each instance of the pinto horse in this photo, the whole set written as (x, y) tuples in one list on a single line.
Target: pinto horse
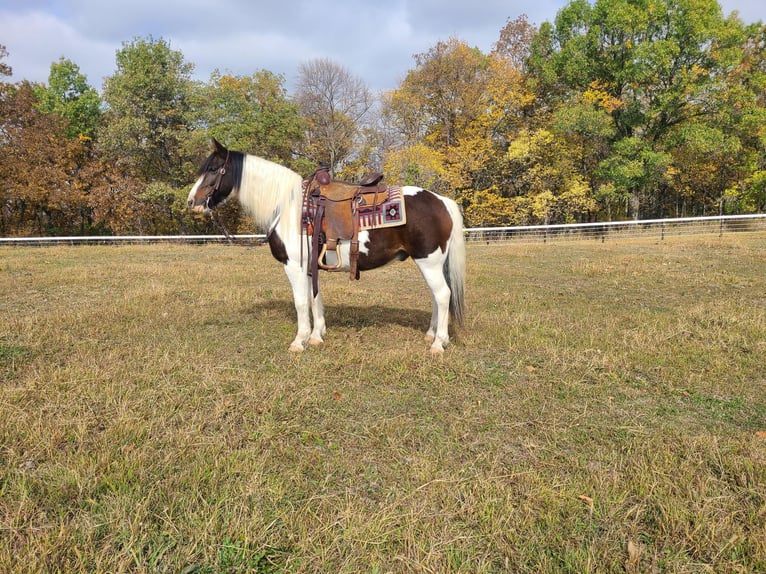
[(273, 195)]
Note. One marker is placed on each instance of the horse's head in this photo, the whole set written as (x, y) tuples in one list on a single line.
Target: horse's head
[(216, 180)]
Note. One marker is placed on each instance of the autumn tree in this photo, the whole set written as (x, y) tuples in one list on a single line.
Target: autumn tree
[(703, 157), (490, 189), (437, 106), (514, 45), (41, 193), (447, 86), (458, 109)]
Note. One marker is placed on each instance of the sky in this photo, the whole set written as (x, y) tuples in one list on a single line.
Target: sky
[(375, 40)]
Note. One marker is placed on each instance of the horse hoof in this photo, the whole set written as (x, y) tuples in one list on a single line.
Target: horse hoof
[(295, 348), (437, 350), (429, 338), (315, 342)]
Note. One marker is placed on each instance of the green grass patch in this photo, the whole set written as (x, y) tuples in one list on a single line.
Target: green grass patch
[(602, 410)]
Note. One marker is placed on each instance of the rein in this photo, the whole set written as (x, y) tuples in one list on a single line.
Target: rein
[(221, 226), (305, 223)]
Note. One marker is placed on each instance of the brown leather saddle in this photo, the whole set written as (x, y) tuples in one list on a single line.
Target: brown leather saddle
[(334, 207)]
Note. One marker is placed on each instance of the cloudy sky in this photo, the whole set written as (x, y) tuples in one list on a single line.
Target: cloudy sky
[(374, 39)]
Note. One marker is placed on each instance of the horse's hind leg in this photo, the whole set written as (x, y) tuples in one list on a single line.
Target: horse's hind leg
[(432, 268), (431, 333)]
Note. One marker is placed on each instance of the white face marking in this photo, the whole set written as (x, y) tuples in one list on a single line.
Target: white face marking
[(192, 193)]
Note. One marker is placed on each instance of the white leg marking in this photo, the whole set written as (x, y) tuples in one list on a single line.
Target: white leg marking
[(432, 269), (301, 294)]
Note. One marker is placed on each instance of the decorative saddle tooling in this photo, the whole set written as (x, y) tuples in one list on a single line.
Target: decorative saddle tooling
[(335, 211)]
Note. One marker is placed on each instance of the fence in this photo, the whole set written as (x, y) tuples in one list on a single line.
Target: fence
[(614, 230), (604, 231)]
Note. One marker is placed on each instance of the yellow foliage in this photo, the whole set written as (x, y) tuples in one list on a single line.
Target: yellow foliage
[(598, 95), (577, 199), (542, 206), (488, 209), (527, 144), (415, 165)]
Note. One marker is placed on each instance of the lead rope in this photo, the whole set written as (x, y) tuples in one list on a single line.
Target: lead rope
[(221, 226)]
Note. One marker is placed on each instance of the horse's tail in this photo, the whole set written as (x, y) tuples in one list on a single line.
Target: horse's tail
[(454, 266)]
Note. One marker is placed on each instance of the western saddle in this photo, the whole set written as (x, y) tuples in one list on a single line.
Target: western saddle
[(332, 209)]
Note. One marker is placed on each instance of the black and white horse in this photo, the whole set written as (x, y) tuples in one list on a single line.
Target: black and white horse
[(273, 195)]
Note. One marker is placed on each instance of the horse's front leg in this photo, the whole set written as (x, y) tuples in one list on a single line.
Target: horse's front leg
[(301, 295), (317, 310)]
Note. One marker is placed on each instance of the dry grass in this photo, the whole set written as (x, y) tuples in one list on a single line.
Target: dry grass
[(603, 410)]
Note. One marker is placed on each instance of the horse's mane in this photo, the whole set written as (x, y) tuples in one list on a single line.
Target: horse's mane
[(268, 191)]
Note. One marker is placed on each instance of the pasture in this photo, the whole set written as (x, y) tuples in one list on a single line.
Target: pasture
[(603, 409)]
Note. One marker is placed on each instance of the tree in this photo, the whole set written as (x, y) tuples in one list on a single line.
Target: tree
[(740, 112), (479, 163), (447, 89), (703, 157), (334, 105), (69, 96), (586, 123), (42, 192), (655, 68), (148, 113), (5, 69), (417, 164), (515, 42), (661, 60), (637, 171), (250, 113), (438, 104), (547, 177)]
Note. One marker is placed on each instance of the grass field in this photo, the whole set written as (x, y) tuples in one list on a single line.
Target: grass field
[(602, 410)]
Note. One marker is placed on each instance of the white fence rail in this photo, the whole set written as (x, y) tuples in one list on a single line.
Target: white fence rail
[(604, 231), (614, 230)]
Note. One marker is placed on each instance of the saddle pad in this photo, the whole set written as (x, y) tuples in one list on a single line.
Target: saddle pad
[(388, 214)]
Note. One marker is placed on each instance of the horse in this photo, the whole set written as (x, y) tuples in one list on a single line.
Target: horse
[(274, 196)]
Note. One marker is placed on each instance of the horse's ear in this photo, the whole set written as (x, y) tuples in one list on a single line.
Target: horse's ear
[(219, 148)]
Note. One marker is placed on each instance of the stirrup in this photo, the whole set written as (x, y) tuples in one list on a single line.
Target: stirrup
[(329, 267)]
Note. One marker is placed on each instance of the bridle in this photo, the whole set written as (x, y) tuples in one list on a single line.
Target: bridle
[(212, 210), (219, 177)]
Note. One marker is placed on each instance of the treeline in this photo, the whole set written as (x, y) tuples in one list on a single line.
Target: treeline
[(617, 109)]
